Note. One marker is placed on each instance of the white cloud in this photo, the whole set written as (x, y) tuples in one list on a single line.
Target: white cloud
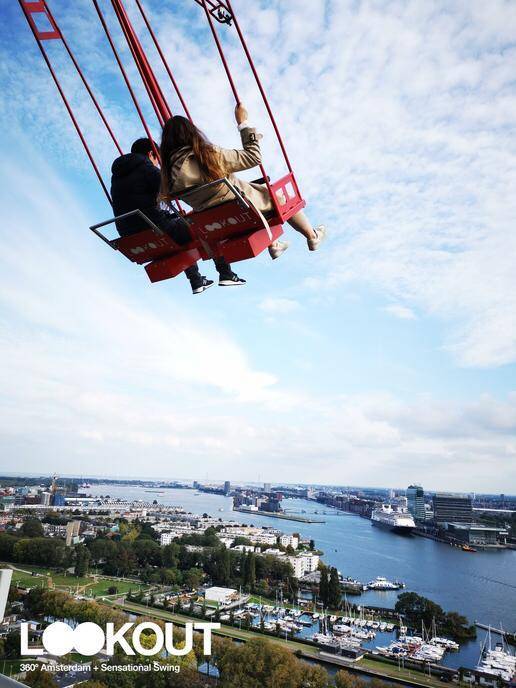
[(279, 306), (399, 118), (399, 311)]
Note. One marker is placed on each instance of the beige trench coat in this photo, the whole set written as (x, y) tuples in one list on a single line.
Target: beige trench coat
[(185, 173)]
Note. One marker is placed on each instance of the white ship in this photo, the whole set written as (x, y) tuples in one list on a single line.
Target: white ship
[(396, 518), (381, 583)]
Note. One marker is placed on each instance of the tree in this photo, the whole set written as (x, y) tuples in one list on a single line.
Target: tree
[(32, 527), (192, 578), (344, 679), (170, 555), (261, 663), (416, 608), (7, 543), (82, 560), (251, 571), (147, 552), (316, 677), (11, 645), (324, 586), (36, 550), (334, 591), (39, 679), (222, 571)]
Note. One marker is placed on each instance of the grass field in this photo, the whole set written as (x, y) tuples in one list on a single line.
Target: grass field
[(87, 585)]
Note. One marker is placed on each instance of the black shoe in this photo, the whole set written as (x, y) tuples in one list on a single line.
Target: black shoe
[(199, 287), (230, 280)]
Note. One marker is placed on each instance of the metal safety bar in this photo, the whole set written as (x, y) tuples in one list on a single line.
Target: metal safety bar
[(139, 213), (242, 202)]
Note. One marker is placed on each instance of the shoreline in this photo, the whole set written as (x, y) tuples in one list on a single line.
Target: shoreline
[(283, 517)]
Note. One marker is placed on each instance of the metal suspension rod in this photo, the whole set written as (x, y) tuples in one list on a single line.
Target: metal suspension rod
[(149, 80), (221, 52), (65, 101), (235, 93), (84, 81), (260, 86), (163, 59), (126, 78)]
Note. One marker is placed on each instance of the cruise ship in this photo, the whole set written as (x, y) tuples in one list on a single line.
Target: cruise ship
[(396, 518)]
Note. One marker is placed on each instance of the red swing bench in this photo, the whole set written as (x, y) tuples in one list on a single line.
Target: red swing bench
[(234, 230)]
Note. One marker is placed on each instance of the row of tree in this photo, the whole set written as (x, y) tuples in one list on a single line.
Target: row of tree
[(330, 592)]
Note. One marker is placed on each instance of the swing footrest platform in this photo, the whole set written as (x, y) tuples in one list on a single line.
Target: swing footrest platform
[(249, 245), (165, 268)]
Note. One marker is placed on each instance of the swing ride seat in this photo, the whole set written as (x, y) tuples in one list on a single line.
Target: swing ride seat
[(234, 230), (152, 247)]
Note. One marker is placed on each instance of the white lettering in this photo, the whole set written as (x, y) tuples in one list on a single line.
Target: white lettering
[(158, 644), (112, 638), (206, 629), (24, 642), (169, 641)]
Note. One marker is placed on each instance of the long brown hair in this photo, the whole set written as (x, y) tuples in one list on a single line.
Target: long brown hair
[(178, 133)]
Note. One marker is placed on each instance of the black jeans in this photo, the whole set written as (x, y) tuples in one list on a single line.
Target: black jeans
[(195, 277)]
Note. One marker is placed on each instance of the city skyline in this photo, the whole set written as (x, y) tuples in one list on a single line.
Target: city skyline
[(388, 354), (428, 490)]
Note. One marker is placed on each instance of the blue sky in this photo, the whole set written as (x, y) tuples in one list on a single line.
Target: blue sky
[(387, 357)]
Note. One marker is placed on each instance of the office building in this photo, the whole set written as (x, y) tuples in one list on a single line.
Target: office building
[(72, 533), (266, 487), (452, 508), (227, 487), (416, 502), (45, 498)]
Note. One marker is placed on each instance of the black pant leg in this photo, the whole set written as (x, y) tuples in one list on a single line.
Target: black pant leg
[(223, 268), (193, 273)]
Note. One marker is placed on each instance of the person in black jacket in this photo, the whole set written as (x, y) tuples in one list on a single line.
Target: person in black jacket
[(135, 184)]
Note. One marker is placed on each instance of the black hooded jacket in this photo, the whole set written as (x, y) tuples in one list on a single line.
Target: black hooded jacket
[(135, 184)]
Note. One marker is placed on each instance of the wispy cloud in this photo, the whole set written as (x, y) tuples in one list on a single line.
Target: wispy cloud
[(400, 311), (279, 306), (399, 118)]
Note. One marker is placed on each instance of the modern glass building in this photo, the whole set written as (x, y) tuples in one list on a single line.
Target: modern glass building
[(452, 508), (416, 501)]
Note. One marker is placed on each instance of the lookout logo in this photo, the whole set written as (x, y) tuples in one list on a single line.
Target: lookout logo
[(89, 638)]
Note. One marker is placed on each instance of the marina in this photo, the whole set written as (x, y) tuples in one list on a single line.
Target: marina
[(483, 586), (357, 636)]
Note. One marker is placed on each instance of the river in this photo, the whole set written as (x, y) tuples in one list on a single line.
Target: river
[(480, 585)]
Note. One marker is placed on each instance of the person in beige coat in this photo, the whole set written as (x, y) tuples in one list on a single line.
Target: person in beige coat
[(190, 160)]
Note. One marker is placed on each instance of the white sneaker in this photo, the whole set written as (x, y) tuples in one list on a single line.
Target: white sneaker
[(320, 235), (277, 248)]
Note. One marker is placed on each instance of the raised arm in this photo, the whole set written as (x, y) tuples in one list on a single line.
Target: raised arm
[(250, 155)]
